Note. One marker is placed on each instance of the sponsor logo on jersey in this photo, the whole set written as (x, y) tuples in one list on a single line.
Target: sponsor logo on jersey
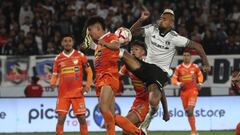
[(67, 70)]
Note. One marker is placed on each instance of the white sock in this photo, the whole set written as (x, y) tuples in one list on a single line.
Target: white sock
[(121, 52)]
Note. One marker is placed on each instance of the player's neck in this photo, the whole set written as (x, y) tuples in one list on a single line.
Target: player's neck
[(68, 51), (163, 31)]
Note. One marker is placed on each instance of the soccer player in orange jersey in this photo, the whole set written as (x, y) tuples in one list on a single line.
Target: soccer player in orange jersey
[(68, 67), (189, 77), (140, 106), (106, 48)]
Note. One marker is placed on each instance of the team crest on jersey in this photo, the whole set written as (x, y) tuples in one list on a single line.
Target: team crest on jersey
[(167, 42), (75, 61)]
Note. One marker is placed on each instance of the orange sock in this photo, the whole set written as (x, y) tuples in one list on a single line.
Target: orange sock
[(191, 120), (126, 125), (59, 130), (84, 128), (109, 122)]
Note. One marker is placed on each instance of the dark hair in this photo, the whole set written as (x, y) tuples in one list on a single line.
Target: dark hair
[(94, 20), (35, 79), (67, 35), (139, 43), (187, 50)]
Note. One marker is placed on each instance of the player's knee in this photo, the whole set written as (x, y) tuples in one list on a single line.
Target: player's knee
[(103, 107), (82, 119), (189, 113), (153, 101), (61, 119)]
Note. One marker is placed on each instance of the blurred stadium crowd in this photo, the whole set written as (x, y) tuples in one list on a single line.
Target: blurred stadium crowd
[(34, 27)]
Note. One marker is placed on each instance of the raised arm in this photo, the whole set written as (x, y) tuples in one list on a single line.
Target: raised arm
[(201, 53), (136, 29)]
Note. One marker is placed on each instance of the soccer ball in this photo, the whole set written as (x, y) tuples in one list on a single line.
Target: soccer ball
[(124, 35)]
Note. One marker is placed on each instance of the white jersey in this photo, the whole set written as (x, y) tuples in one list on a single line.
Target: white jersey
[(161, 48)]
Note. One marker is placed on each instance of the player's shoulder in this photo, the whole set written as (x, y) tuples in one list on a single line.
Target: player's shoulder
[(80, 53), (173, 33), (195, 65), (150, 26), (58, 56), (178, 66)]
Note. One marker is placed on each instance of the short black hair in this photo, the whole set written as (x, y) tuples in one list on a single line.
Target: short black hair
[(94, 20), (139, 43), (67, 35)]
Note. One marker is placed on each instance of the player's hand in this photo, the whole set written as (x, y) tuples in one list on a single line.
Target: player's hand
[(182, 85), (199, 86), (166, 116), (53, 87), (206, 68), (85, 90), (145, 14)]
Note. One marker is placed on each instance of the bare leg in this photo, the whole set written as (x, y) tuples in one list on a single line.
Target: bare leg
[(130, 61), (83, 124)]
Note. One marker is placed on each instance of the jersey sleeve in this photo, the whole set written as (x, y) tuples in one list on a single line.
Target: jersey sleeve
[(54, 76), (174, 78), (148, 29), (55, 66), (180, 41)]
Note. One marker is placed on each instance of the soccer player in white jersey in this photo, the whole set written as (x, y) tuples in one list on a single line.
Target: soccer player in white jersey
[(161, 41)]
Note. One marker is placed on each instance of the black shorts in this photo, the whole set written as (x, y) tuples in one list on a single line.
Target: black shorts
[(151, 73)]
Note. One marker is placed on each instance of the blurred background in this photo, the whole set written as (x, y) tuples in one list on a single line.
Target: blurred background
[(30, 38)]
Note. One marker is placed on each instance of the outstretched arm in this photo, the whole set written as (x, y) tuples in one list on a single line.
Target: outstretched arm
[(89, 73), (201, 53), (136, 29)]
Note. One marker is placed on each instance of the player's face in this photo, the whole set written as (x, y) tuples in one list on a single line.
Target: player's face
[(137, 51), (166, 21), (95, 31), (186, 57), (67, 43)]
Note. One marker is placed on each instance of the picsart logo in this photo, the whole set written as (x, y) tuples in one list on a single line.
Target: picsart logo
[(48, 113)]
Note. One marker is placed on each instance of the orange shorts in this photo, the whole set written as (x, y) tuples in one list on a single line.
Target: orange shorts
[(78, 105), (189, 99), (140, 108), (107, 79)]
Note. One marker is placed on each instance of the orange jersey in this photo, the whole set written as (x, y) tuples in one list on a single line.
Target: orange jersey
[(69, 69), (106, 60), (189, 75), (140, 89)]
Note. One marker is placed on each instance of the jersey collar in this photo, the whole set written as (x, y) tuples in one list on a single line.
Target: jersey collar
[(161, 32), (68, 55), (186, 65)]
